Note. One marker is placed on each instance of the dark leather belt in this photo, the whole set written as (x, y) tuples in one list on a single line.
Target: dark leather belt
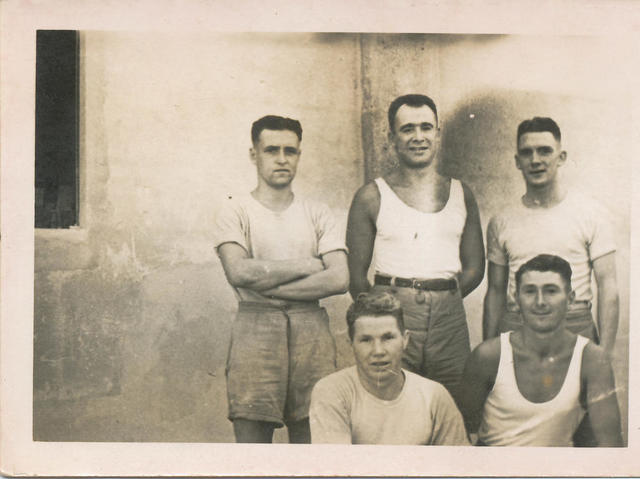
[(423, 284)]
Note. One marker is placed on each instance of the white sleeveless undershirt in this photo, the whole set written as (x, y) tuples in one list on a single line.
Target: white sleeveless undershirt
[(413, 244), (509, 419)]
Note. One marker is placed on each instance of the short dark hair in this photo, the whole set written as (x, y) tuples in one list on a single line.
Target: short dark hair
[(539, 124), (546, 262), (274, 122), (414, 100), (379, 303)]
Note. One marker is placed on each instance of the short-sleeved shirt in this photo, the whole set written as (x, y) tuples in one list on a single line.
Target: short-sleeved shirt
[(306, 229), (576, 229), (343, 412)]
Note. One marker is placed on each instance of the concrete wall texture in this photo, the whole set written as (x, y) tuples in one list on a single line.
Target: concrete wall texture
[(132, 310)]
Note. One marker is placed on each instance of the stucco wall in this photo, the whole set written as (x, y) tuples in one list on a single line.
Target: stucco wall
[(132, 311)]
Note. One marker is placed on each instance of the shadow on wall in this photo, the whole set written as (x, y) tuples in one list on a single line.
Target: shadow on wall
[(479, 144)]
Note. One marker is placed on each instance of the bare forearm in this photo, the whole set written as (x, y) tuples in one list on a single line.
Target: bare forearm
[(357, 285), (493, 309), (313, 287), (607, 319), (470, 278), (260, 275)]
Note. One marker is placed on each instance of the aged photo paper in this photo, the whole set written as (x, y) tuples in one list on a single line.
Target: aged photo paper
[(114, 332)]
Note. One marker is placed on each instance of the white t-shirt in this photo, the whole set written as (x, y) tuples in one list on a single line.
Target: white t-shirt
[(576, 229), (306, 229), (343, 412)]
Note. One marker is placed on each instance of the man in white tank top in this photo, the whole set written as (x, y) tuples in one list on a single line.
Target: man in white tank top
[(425, 230), (531, 387)]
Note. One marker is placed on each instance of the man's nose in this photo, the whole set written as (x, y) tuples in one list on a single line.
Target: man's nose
[(535, 158), (378, 348), (540, 300), (418, 134), (281, 158)]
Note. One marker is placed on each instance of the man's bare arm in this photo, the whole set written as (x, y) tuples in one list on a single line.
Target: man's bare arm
[(495, 300), (258, 275), (478, 378), (599, 394), (361, 236), (334, 279), (604, 269), (471, 247)]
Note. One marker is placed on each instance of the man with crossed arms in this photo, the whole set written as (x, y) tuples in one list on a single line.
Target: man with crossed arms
[(281, 253)]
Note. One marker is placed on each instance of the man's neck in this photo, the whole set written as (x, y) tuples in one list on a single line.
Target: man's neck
[(544, 196), (385, 390), (276, 199), (545, 345), (408, 177)]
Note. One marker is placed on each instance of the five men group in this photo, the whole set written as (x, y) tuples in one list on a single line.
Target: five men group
[(415, 380)]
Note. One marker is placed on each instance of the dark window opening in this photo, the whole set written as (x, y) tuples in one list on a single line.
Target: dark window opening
[(56, 149)]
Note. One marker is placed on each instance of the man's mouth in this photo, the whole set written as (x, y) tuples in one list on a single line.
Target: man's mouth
[(380, 364), (281, 170), (419, 149)]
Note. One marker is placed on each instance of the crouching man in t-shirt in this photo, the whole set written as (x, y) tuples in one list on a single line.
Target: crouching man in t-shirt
[(376, 401)]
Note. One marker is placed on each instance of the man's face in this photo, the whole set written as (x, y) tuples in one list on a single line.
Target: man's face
[(539, 157), (543, 299), (378, 344), (415, 135), (276, 156)]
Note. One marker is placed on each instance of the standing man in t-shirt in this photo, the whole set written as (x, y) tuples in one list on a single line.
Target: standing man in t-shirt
[(281, 253), (554, 220), (425, 229)]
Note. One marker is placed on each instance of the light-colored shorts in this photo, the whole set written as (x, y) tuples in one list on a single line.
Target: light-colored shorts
[(276, 356), (438, 334), (579, 321)]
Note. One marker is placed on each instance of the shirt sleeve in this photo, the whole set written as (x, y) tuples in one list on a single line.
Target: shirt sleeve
[(231, 225), (331, 235), (328, 416), (496, 252), (600, 239), (448, 426)]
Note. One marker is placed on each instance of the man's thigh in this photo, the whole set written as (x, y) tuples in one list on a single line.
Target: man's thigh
[(312, 356), (257, 365)]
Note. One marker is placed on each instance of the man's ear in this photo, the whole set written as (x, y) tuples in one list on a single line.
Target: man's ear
[(252, 155), (562, 157), (515, 157), (572, 296), (405, 339)]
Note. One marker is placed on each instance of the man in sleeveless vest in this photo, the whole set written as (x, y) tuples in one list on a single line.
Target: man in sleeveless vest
[(377, 401), (530, 387), (551, 219), (281, 253), (425, 230)]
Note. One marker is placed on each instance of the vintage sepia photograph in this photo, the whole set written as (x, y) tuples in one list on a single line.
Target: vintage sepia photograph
[(328, 238)]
